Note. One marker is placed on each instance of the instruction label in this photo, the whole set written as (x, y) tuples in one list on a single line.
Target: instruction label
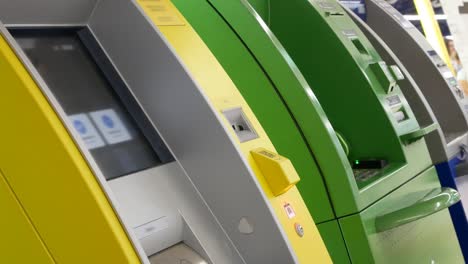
[(87, 131), (350, 33), (162, 12), (151, 227), (289, 211), (111, 126)]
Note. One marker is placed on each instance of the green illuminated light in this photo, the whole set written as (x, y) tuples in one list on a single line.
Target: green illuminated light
[(356, 162)]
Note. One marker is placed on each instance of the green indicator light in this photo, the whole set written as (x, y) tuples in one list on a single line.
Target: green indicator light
[(356, 162)]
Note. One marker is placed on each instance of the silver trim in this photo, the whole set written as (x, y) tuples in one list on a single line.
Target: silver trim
[(19, 26)]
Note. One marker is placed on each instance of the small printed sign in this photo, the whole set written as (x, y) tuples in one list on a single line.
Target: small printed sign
[(87, 131), (161, 12), (111, 126), (350, 33), (289, 211), (151, 227)]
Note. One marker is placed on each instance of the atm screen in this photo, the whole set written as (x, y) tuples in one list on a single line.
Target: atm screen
[(93, 107)]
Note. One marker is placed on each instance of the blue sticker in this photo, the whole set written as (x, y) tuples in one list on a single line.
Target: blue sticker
[(86, 130), (111, 126), (80, 127), (107, 120)]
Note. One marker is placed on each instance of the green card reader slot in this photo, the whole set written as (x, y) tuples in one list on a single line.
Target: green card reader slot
[(358, 44), (418, 134), (433, 202), (383, 75)]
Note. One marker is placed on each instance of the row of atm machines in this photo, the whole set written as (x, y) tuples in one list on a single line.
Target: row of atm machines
[(148, 131)]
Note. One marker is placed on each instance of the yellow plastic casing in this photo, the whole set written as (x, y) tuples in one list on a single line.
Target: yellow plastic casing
[(61, 202), (17, 233), (278, 170), (223, 95)]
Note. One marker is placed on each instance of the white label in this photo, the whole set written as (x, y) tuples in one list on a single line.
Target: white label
[(151, 228), (397, 72), (110, 126), (289, 211), (87, 131), (447, 74)]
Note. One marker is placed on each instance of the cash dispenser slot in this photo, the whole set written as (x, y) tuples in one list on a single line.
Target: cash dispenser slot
[(364, 169), (152, 190)]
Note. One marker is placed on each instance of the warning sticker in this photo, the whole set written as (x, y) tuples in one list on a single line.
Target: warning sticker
[(111, 126), (289, 210), (86, 130)]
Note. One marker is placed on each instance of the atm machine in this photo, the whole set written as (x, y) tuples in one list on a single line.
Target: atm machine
[(112, 153), (378, 198), (437, 85)]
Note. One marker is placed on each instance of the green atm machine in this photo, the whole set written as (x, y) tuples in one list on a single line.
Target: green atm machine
[(433, 83), (370, 186)]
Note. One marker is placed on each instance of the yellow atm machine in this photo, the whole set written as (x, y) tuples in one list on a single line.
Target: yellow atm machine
[(122, 144)]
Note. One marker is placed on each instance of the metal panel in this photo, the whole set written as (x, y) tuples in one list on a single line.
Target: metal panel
[(191, 128), (46, 12)]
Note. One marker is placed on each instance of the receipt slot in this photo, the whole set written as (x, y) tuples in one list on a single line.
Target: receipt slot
[(128, 158)]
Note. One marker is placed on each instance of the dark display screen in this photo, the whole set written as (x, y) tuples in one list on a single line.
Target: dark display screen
[(87, 97)]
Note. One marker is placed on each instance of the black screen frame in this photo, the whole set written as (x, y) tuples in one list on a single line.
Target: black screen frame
[(117, 84)]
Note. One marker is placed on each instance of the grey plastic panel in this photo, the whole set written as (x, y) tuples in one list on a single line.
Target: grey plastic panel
[(163, 208), (191, 128), (422, 110), (46, 12), (412, 49)]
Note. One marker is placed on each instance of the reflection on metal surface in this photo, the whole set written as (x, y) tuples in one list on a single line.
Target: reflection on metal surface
[(178, 254), (435, 201)]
